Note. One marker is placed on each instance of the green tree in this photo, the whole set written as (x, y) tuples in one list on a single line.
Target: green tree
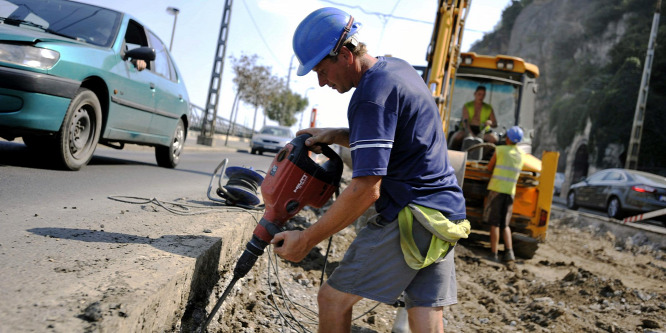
[(254, 83), (283, 105)]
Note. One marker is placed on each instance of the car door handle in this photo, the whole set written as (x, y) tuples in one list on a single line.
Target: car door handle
[(180, 97), (152, 86)]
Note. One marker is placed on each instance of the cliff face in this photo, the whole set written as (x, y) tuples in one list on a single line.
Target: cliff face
[(590, 55)]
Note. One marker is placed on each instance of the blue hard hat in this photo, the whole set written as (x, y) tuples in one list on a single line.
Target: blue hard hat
[(321, 33), (515, 134)]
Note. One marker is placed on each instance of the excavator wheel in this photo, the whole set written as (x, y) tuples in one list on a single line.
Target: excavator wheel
[(523, 246)]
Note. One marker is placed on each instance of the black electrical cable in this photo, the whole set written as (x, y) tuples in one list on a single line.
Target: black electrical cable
[(284, 296), (181, 208), (245, 182), (323, 270)]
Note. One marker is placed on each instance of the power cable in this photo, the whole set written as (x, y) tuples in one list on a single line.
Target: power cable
[(256, 26), (173, 207), (382, 15)]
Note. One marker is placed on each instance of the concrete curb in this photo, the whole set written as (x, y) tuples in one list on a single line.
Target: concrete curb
[(220, 143), (146, 270)]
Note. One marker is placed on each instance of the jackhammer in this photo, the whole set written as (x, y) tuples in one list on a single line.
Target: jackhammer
[(292, 182)]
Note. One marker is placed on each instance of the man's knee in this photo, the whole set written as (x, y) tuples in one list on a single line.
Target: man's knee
[(331, 298), (426, 319), (325, 295)]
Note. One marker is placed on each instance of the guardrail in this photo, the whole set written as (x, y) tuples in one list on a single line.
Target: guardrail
[(222, 125)]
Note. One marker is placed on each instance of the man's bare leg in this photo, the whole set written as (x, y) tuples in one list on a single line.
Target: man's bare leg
[(494, 238), (426, 319), (335, 309)]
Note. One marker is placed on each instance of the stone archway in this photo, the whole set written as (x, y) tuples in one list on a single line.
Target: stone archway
[(578, 160), (581, 164)]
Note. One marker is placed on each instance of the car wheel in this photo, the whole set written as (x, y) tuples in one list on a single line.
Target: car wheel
[(571, 200), (614, 208), (253, 151), (169, 156), (80, 130)]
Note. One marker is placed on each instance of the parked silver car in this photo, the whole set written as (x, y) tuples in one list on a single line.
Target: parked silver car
[(271, 138), (621, 192)]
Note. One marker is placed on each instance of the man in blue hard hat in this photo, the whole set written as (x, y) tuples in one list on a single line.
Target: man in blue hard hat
[(506, 163), (400, 164)]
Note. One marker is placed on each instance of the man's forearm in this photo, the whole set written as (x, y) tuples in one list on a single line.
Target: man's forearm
[(342, 136)]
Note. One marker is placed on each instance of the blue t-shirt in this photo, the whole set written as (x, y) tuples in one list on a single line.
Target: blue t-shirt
[(395, 132)]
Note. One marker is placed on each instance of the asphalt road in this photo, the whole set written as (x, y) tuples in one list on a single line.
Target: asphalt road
[(29, 185), (64, 245)]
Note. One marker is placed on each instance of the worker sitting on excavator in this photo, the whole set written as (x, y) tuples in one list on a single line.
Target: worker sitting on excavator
[(400, 165), (476, 113)]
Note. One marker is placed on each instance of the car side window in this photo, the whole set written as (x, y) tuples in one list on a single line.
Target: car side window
[(135, 37), (597, 176), (162, 63), (614, 175)]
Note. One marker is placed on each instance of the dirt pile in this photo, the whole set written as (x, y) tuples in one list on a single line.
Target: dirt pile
[(579, 280)]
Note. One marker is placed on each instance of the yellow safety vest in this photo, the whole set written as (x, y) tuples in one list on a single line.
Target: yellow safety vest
[(509, 162), (444, 234), (485, 112)]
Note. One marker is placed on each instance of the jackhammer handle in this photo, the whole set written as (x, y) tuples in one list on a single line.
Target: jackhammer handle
[(328, 152), (325, 149), (333, 167)]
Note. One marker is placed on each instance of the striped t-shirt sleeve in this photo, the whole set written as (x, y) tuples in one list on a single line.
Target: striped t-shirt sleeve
[(371, 135)]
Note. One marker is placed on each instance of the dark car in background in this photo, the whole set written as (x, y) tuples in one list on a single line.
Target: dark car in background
[(559, 180), (72, 75), (271, 139), (621, 192)]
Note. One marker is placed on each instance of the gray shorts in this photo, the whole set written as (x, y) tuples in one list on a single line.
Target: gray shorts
[(374, 268)]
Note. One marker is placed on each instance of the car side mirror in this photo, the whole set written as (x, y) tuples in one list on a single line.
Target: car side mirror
[(143, 53)]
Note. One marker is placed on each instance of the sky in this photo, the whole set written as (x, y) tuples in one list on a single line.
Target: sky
[(265, 28)]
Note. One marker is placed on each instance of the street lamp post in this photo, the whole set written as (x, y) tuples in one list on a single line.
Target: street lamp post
[(173, 11)]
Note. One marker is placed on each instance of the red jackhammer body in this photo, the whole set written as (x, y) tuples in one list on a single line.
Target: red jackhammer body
[(292, 182)]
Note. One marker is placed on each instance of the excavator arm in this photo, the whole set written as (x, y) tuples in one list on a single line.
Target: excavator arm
[(444, 52)]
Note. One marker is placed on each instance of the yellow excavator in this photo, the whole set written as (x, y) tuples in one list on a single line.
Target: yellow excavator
[(511, 89)]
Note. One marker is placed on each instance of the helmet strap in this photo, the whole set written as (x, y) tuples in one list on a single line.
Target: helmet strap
[(343, 37)]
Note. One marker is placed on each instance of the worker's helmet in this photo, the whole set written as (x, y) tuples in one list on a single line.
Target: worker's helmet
[(320, 34), (515, 134)]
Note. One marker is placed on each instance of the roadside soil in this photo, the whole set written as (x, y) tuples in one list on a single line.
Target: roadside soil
[(581, 280)]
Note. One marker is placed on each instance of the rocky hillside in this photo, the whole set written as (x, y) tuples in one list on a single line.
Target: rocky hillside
[(590, 55)]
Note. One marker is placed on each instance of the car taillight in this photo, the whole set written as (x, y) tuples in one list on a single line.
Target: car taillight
[(643, 188)]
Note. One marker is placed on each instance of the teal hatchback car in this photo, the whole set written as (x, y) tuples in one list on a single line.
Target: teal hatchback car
[(73, 75)]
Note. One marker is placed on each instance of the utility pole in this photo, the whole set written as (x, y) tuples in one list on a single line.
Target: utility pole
[(210, 113), (639, 114), (290, 68)]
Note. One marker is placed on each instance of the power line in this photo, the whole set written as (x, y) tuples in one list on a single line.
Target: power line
[(387, 16), (261, 35), (382, 15)]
